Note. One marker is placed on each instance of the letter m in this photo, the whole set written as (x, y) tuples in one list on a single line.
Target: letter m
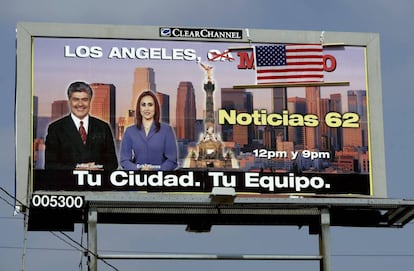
[(246, 60)]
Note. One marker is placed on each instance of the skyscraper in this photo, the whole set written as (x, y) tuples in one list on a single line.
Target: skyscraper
[(336, 133), (60, 108), (185, 111), (313, 103), (297, 105), (164, 101), (279, 103), (325, 132), (144, 79), (357, 103), (121, 128), (242, 101), (103, 103), (35, 115)]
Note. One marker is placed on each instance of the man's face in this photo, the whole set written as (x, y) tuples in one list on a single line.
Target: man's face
[(80, 103)]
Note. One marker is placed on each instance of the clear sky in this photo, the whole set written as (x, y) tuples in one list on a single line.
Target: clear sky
[(352, 248)]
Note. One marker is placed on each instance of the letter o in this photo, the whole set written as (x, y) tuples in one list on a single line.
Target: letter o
[(332, 63), (83, 51), (317, 182), (244, 119)]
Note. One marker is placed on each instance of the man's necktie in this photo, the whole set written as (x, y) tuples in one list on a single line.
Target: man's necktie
[(82, 132)]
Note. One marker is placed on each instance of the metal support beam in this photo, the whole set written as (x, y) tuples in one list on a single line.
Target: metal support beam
[(318, 213), (92, 240), (237, 257), (325, 241)]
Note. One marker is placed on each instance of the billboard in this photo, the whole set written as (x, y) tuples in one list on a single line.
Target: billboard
[(257, 111)]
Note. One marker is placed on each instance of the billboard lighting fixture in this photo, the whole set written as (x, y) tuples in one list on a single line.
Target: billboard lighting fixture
[(219, 195), (223, 195), (199, 227)]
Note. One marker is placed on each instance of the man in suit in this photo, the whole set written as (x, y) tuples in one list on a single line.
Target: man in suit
[(80, 141)]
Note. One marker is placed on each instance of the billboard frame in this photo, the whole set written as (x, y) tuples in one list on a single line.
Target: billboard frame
[(26, 31)]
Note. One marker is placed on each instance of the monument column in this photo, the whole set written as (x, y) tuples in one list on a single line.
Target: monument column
[(209, 89)]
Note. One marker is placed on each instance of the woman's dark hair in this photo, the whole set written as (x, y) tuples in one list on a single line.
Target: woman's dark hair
[(138, 115)]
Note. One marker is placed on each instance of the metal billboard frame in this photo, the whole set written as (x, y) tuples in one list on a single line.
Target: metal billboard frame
[(200, 211), (24, 85)]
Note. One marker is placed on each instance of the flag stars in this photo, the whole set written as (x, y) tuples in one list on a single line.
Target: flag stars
[(289, 63), (274, 55)]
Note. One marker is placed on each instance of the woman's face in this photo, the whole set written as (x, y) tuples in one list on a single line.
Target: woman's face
[(147, 108)]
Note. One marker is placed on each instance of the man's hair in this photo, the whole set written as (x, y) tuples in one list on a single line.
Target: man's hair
[(80, 87)]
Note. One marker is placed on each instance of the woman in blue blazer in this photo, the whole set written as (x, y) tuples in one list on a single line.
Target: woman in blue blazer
[(149, 144)]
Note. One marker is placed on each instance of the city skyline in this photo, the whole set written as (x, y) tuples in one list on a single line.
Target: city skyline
[(320, 137), (54, 72), (61, 106)]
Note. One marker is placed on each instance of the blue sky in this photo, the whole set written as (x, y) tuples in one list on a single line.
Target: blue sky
[(352, 248)]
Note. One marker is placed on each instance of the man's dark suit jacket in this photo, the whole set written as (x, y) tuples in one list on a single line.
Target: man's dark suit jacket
[(64, 147)]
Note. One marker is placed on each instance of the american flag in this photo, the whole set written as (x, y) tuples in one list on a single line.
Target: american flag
[(290, 63)]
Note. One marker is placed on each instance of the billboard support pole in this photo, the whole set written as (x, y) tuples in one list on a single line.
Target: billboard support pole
[(92, 240), (324, 241)]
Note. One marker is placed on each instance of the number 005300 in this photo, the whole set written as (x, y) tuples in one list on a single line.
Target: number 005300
[(55, 201)]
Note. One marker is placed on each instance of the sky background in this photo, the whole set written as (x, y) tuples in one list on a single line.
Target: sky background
[(352, 248)]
